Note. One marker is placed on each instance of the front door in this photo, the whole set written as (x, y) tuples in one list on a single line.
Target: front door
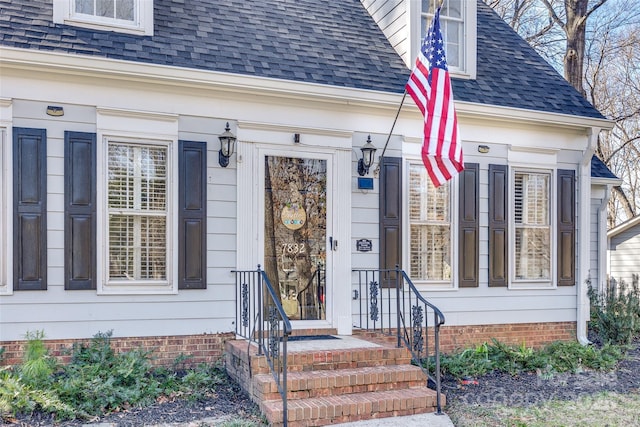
[(296, 233)]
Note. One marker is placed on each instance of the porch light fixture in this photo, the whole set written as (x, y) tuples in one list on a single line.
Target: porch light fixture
[(227, 145), (368, 154)]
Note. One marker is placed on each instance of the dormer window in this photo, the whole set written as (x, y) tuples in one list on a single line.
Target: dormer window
[(458, 25), (126, 16), (108, 10)]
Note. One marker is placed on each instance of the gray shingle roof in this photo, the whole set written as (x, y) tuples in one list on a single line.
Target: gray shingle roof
[(512, 74), (330, 42), (600, 170)]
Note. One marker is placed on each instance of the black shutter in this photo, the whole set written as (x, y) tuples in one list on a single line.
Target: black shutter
[(469, 242), (498, 225), (566, 227), (390, 214), (79, 210), (30, 209), (192, 219)]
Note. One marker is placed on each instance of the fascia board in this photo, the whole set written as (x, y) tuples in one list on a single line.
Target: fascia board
[(66, 64), (623, 227), (508, 114), (606, 181)]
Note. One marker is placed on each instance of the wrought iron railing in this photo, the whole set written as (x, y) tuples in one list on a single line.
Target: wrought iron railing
[(388, 302), (262, 320)]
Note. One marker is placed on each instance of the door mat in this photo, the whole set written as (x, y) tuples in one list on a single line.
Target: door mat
[(312, 337)]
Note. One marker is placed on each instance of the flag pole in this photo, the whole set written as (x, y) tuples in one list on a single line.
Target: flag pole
[(376, 171)]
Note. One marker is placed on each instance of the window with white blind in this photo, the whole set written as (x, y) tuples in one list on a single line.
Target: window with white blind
[(429, 228), (130, 16), (138, 202), (457, 23), (532, 226)]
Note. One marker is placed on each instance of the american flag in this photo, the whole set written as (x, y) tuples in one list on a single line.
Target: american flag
[(430, 87)]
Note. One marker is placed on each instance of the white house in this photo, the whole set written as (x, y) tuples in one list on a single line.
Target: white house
[(118, 212)]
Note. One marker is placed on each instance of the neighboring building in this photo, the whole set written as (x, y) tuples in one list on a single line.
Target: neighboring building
[(117, 214), (624, 251)]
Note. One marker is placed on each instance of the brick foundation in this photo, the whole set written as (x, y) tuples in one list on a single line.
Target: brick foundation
[(535, 335), (209, 348), (206, 348)]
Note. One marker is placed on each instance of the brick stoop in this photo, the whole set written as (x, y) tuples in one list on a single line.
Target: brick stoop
[(336, 385)]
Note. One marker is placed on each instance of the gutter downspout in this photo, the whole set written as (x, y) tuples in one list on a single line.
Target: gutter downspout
[(603, 240), (584, 186)]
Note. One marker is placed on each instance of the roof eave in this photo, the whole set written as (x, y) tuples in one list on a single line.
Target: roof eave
[(81, 65), (623, 227), (606, 181), (483, 111)]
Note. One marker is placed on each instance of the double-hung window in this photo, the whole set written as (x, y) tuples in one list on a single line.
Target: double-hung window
[(130, 16), (138, 202), (457, 23), (532, 226), (430, 231)]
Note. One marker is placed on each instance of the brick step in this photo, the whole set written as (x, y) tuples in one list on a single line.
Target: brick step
[(302, 385), (322, 411), (321, 360)]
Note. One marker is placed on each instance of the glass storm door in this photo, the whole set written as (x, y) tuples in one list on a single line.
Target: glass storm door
[(295, 233)]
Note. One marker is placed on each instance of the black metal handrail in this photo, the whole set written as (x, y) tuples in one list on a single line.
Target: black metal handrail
[(386, 305), (261, 319)]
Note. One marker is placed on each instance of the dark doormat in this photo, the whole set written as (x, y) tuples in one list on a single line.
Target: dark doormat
[(312, 337)]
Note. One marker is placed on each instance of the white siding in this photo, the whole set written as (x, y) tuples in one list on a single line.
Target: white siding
[(81, 314), (335, 123), (483, 305), (392, 18), (624, 255)]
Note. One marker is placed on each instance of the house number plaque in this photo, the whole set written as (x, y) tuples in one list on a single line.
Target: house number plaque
[(363, 245)]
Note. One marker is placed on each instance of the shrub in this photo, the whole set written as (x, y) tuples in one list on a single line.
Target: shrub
[(17, 397), (470, 362), (98, 380), (556, 357), (38, 366), (29, 388), (615, 313)]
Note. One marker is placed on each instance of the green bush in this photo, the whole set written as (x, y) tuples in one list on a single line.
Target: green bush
[(29, 388), (96, 381), (17, 397), (615, 313), (555, 357), (38, 366)]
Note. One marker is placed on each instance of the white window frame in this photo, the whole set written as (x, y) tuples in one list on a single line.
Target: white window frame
[(64, 13), (6, 197), (551, 283), (468, 68), (444, 285), (6, 286), (105, 285)]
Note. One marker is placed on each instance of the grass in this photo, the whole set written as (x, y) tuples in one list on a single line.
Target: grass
[(605, 409)]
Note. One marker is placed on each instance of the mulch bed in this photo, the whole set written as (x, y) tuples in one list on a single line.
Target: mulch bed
[(229, 401), (530, 388)]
